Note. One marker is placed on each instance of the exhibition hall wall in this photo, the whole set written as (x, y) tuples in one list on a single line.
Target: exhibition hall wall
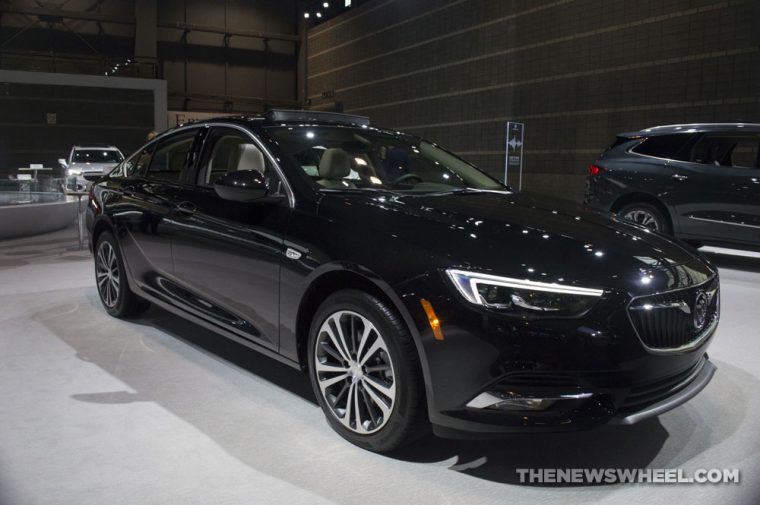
[(222, 56), (575, 71), (43, 115)]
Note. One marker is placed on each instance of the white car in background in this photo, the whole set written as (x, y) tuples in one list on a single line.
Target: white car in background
[(89, 160)]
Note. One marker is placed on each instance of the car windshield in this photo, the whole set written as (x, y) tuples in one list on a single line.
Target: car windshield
[(97, 156), (341, 157)]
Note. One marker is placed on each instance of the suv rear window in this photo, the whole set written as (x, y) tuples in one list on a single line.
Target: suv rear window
[(663, 146)]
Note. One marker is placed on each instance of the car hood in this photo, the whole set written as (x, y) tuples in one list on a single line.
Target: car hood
[(93, 167), (516, 235)]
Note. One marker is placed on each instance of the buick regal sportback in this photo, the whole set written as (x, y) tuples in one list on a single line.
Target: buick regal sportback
[(411, 287), (699, 182)]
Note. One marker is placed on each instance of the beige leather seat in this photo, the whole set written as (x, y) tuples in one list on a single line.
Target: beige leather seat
[(243, 156), (250, 157), (334, 166)]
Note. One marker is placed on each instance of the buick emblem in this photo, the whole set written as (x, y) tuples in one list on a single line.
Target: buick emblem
[(700, 310)]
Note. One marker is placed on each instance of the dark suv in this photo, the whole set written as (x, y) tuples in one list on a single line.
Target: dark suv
[(410, 286), (699, 182)]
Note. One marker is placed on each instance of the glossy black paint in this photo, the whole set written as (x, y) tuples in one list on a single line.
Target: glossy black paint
[(704, 203), (255, 271)]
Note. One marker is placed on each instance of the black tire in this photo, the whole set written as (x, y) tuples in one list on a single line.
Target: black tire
[(659, 222), (124, 303), (407, 420)]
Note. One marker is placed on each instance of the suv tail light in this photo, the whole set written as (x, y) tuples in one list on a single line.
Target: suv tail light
[(595, 170)]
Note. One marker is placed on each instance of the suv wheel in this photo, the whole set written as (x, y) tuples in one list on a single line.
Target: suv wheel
[(113, 288), (646, 215), (365, 372)]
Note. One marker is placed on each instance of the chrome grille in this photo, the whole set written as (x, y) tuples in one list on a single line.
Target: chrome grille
[(676, 319)]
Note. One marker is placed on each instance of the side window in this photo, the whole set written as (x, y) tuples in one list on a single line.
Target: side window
[(136, 164), (664, 146), (745, 154), (229, 150), (171, 155), (727, 151)]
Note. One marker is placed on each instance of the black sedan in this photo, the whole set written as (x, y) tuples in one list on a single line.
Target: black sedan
[(413, 288)]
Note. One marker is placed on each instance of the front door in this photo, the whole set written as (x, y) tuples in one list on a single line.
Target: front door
[(227, 254)]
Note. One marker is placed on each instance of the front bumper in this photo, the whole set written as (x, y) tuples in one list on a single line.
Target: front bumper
[(677, 394), (595, 407), (595, 370)]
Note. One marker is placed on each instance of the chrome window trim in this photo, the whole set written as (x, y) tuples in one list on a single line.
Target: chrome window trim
[(288, 189)]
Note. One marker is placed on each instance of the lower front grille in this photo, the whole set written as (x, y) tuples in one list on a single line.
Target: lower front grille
[(652, 392), (676, 320)]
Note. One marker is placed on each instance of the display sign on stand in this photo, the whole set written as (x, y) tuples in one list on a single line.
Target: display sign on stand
[(515, 136)]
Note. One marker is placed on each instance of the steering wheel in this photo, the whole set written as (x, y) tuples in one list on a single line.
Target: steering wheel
[(405, 178)]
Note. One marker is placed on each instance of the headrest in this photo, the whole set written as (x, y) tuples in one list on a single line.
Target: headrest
[(335, 164), (250, 157)]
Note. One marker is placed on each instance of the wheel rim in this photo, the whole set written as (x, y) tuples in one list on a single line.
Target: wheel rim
[(644, 218), (354, 372), (107, 274)]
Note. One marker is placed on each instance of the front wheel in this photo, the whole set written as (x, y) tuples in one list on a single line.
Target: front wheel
[(365, 372)]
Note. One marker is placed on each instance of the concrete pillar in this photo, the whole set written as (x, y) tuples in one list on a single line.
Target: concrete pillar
[(146, 30)]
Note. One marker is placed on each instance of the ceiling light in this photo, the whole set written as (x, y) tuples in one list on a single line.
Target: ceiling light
[(306, 15), (319, 14), (326, 5)]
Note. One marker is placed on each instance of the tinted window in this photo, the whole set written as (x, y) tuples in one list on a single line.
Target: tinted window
[(97, 156), (171, 156), (135, 165), (727, 151), (366, 158), (663, 146), (229, 150)]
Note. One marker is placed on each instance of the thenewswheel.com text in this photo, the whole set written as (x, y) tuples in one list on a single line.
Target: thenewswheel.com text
[(626, 476)]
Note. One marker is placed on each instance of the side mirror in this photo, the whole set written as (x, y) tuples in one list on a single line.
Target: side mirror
[(63, 163), (241, 186)]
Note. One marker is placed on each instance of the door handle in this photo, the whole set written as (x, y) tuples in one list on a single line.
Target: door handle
[(185, 208), (679, 177)]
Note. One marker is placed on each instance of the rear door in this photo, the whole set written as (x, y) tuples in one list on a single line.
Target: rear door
[(227, 255), (148, 208), (716, 189)]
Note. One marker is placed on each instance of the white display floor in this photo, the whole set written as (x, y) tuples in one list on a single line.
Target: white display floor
[(95, 410)]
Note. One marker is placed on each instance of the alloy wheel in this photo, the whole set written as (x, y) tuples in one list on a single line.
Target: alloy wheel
[(107, 274), (644, 218), (355, 372)]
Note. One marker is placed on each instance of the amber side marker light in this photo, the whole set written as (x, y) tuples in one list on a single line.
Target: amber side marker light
[(435, 324)]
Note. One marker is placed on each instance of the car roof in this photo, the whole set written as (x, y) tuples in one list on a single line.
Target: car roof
[(97, 146), (694, 128)]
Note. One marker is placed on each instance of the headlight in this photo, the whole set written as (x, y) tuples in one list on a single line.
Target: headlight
[(73, 171), (505, 293)]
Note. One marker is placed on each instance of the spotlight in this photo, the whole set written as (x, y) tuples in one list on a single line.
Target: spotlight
[(306, 15), (319, 14)]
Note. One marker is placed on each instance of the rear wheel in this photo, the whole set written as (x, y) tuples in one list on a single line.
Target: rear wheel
[(110, 276), (365, 372), (646, 215)]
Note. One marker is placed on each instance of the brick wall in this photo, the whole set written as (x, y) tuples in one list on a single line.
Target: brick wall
[(575, 71)]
